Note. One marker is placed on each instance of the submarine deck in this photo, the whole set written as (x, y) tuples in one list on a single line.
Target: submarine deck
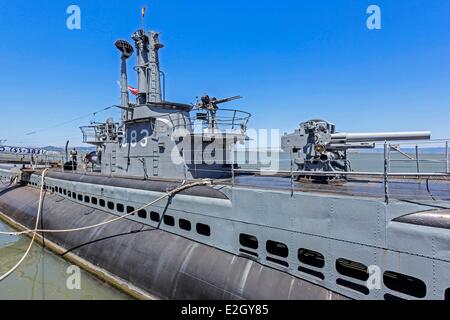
[(398, 188)]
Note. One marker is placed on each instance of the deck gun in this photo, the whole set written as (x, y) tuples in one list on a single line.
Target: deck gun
[(316, 146)]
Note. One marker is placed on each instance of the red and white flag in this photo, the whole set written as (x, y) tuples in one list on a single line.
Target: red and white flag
[(134, 91)]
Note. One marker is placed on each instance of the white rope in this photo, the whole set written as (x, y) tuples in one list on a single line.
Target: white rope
[(41, 198), (167, 195)]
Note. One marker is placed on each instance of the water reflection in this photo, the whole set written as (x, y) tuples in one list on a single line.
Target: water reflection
[(43, 275)]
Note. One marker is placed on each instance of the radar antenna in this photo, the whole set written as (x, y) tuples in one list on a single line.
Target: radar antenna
[(127, 50)]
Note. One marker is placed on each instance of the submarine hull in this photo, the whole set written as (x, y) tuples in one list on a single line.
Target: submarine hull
[(161, 264)]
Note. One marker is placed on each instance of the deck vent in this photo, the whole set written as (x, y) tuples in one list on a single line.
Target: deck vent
[(203, 229), (248, 241), (353, 286), (278, 261), (388, 296), (277, 249), (120, 207), (311, 258), (405, 284), (352, 269), (313, 273)]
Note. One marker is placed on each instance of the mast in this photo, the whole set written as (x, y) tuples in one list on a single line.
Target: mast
[(149, 79), (154, 71), (141, 43), (127, 50)]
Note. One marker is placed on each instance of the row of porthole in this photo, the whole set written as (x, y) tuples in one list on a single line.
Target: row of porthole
[(168, 220), (395, 281)]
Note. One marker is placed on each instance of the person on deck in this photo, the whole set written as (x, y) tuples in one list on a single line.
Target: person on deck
[(74, 155)]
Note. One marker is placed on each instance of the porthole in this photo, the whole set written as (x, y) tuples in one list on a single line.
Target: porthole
[(154, 216), (203, 229), (142, 214), (185, 225), (169, 220)]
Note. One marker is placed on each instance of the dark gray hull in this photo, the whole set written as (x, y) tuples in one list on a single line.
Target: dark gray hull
[(164, 265)]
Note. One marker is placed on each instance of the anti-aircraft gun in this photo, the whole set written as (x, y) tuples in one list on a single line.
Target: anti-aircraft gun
[(316, 146), (211, 106)]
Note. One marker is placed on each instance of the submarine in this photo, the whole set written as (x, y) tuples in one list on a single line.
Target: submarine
[(165, 212)]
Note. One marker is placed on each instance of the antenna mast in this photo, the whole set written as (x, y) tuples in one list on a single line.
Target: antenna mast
[(144, 9)]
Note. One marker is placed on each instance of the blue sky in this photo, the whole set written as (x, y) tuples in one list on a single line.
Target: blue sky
[(292, 60)]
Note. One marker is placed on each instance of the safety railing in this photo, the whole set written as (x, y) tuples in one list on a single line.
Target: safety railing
[(223, 120), (388, 161), (100, 133)]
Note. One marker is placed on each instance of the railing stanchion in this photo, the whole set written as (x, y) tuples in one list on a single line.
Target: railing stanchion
[(417, 159), (232, 174), (292, 175), (447, 164), (386, 171)]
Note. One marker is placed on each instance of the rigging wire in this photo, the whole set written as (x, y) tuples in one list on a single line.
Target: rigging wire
[(41, 198), (70, 121)]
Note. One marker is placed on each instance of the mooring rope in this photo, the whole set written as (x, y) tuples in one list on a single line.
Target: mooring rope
[(169, 194), (41, 198)]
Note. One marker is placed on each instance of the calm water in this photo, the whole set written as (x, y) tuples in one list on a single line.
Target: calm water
[(43, 275)]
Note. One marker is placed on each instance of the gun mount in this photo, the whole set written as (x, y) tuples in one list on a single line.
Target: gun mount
[(211, 106), (316, 146)]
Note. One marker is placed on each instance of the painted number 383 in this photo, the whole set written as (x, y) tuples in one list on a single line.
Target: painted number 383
[(136, 139)]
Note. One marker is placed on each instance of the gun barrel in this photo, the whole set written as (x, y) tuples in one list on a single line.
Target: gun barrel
[(381, 136), (228, 99)]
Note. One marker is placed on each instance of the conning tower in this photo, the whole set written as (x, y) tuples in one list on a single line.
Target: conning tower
[(156, 138)]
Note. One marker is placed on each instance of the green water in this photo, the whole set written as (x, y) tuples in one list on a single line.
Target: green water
[(44, 275)]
